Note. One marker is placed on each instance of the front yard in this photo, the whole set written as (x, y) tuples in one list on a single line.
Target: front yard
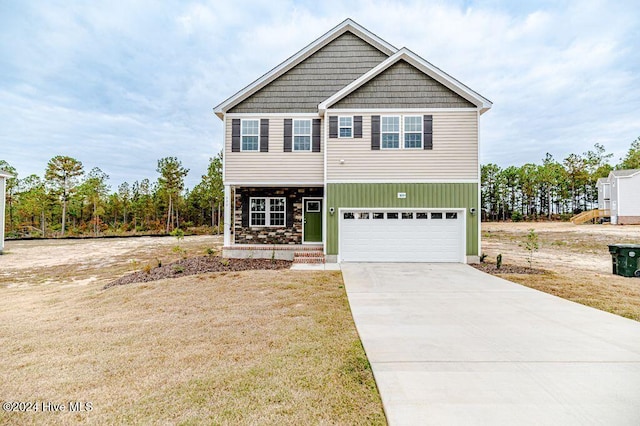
[(249, 347), (575, 259)]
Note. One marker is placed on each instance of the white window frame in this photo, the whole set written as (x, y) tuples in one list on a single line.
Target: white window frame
[(242, 135), (267, 212), (350, 127), (405, 132), (399, 132), (294, 134)]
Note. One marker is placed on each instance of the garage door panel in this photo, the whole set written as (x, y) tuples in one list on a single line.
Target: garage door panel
[(401, 240)]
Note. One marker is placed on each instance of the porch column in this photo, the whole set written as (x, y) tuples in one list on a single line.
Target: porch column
[(227, 215)]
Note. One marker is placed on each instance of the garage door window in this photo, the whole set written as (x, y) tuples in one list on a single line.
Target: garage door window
[(378, 215), (452, 215), (407, 215), (349, 215), (436, 215), (392, 215), (422, 215)]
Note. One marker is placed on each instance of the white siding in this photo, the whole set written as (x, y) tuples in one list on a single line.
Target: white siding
[(629, 200), (454, 155), (604, 195), (275, 166)]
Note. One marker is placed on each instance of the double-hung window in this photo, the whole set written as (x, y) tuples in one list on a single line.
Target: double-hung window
[(413, 132), (345, 127), (267, 211), (249, 134), (302, 135), (390, 132)]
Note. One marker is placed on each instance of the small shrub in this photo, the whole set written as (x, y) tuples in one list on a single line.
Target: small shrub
[(178, 233), (134, 264), (210, 252), (273, 256), (531, 244), (158, 263), (178, 269), (483, 256), (147, 269), (178, 250), (516, 216), (499, 261), (224, 262)]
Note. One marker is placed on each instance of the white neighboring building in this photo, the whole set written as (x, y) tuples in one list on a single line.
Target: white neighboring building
[(620, 193), (604, 193), (3, 184)]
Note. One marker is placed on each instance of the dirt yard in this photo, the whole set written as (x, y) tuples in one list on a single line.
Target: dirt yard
[(577, 260), (248, 347)]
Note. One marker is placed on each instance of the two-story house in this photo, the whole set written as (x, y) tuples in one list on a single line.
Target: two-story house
[(354, 149), (619, 196)]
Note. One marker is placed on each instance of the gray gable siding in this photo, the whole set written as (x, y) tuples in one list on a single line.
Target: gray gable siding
[(403, 86), (316, 78)]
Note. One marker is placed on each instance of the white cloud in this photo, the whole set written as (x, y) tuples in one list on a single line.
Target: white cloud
[(122, 84)]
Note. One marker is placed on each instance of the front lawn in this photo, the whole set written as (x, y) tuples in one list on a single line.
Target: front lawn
[(248, 347)]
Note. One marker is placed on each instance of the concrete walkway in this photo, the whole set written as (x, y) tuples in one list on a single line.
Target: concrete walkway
[(450, 345)]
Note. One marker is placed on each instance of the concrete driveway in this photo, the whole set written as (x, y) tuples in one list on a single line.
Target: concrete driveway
[(450, 345)]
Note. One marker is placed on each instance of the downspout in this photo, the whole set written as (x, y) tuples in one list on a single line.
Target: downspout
[(324, 189)]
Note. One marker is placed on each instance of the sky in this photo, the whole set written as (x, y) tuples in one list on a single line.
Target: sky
[(121, 84)]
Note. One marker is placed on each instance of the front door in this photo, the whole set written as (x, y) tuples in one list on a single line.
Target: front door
[(312, 220)]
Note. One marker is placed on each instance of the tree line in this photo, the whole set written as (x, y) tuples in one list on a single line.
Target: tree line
[(69, 201), (552, 189)]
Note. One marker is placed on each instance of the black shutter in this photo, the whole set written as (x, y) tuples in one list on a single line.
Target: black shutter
[(427, 131), (289, 220), (333, 126), (235, 135), (315, 135), (375, 132), (287, 134), (264, 135), (244, 199), (357, 126)]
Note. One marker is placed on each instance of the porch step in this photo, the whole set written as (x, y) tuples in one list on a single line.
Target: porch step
[(309, 256)]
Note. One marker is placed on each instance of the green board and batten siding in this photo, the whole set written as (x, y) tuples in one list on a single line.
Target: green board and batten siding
[(419, 195)]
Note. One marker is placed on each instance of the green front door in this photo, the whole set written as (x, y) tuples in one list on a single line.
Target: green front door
[(312, 220)]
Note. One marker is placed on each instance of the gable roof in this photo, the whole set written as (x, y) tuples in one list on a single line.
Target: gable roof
[(602, 181), (5, 174), (346, 26), (429, 69), (624, 173)]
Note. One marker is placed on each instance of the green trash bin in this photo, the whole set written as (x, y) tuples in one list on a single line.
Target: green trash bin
[(624, 258)]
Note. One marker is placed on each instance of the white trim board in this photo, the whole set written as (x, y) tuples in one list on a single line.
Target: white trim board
[(345, 26), (329, 181), (429, 69), (296, 184), (377, 111), (248, 115)]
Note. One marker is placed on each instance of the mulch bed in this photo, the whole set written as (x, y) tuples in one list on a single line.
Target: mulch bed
[(199, 265), (490, 268)]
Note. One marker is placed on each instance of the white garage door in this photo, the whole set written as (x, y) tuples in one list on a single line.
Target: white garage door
[(402, 235)]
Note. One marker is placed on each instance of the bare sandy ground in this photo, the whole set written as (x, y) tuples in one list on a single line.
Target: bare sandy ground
[(563, 245), (84, 261)]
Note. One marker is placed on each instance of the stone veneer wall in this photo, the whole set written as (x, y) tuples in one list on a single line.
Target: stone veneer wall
[(291, 233)]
